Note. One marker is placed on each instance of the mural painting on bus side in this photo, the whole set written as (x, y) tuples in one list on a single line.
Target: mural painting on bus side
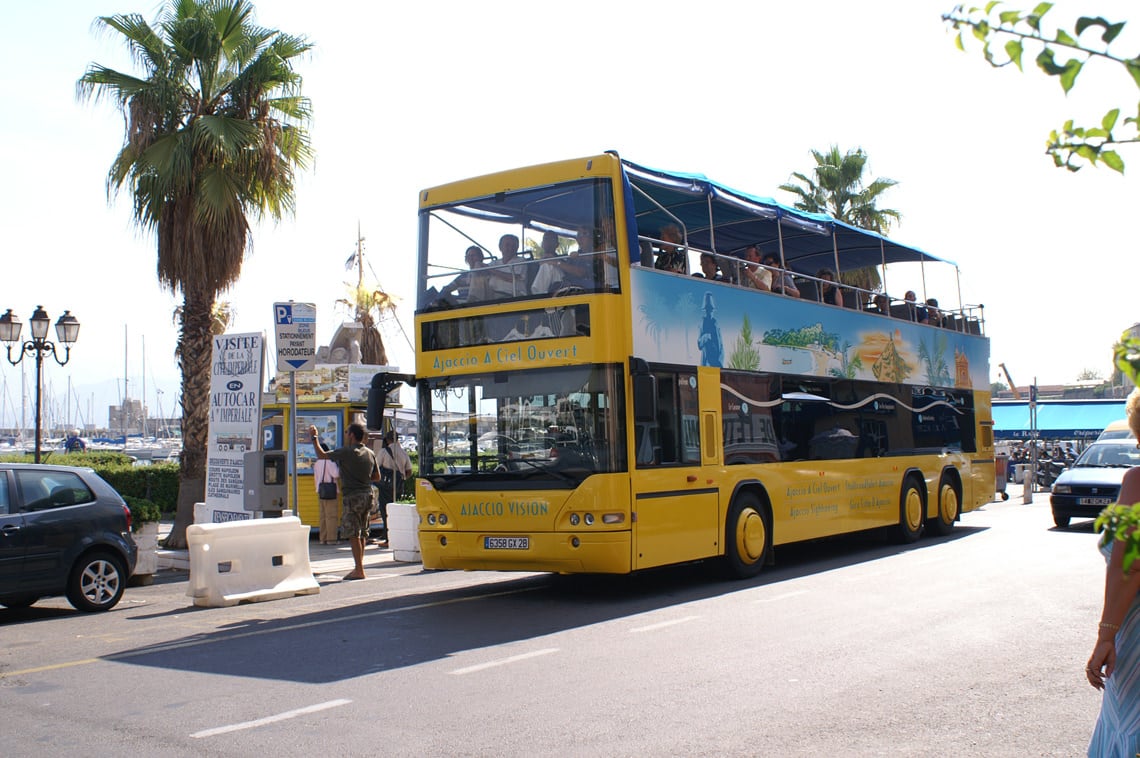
[(683, 321)]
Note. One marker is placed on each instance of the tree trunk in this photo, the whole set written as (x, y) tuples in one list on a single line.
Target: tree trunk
[(372, 352), (195, 347)]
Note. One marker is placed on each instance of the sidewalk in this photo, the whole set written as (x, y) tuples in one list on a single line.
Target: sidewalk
[(324, 559)]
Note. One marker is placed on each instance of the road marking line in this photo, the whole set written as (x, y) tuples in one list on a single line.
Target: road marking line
[(270, 719), (51, 667), (662, 625), (504, 661), (784, 596)]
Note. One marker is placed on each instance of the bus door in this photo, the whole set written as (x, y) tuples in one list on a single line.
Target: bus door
[(676, 503)]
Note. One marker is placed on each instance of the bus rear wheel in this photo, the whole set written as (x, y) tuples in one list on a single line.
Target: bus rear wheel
[(748, 536), (948, 506), (911, 511)]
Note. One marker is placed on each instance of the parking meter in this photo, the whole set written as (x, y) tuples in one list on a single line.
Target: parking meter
[(265, 481)]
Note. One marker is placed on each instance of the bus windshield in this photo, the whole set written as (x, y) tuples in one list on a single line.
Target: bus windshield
[(504, 430), (551, 240)]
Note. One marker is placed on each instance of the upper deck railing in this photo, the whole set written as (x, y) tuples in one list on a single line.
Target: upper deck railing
[(968, 319)]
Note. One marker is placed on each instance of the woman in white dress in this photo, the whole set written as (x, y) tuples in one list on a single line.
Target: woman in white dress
[(1114, 665)]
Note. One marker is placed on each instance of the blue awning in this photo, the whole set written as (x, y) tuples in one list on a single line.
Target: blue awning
[(1056, 420)]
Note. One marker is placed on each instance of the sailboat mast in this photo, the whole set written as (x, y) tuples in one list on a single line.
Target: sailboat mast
[(144, 385), (359, 258), (126, 393)]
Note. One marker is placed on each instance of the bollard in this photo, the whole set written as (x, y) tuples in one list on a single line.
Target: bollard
[(404, 532), (249, 561)]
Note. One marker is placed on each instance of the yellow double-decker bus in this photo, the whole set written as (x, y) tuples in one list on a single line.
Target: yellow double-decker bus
[(610, 379)]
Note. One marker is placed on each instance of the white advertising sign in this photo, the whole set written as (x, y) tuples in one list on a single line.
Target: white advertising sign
[(296, 330), (236, 379)]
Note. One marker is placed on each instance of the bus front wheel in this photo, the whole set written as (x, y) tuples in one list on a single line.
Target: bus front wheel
[(748, 536), (911, 512)]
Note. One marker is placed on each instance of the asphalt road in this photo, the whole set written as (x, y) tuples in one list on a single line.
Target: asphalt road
[(970, 645)]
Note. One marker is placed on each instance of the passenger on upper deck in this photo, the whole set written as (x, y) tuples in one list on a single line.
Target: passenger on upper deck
[(914, 311), (509, 275), (671, 257), (751, 273), (828, 292), (880, 304), (558, 271), (781, 280), (710, 269), (470, 286), (933, 315)]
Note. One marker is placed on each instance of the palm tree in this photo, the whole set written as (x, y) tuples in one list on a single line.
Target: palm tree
[(837, 189), (215, 127), (221, 316)]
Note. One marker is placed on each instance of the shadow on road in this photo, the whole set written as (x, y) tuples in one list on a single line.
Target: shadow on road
[(370, 637)]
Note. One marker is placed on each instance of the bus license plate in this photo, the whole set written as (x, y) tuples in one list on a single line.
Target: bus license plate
[(506, 543), (1094, 501)]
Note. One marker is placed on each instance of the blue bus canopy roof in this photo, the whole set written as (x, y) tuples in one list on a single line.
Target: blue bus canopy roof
[(725, 220)]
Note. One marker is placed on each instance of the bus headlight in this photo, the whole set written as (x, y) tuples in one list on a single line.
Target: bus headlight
[(431, 519), (442, 519), (574, 519), (589, 519)]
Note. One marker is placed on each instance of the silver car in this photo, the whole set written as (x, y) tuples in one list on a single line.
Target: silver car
[(63, 531)]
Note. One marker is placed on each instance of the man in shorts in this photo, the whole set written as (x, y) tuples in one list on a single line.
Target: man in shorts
[(358, 470)]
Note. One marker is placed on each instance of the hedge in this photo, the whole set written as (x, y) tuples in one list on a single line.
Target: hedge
[(157, 482)]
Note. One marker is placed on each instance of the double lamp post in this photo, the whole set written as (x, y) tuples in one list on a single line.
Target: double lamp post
[(66, 329)]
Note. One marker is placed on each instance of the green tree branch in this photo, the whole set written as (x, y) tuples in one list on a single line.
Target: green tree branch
[(1070, 146)]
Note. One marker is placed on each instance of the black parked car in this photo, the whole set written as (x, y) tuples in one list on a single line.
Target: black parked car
[(63, 531)]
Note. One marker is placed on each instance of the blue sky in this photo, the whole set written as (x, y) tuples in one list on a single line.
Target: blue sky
[(407, 96)]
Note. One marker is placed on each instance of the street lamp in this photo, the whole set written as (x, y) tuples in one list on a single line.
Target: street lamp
[(66, 329)]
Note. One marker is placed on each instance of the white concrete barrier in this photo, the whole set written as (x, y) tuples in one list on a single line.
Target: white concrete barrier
[(404, 532), (249, 561)]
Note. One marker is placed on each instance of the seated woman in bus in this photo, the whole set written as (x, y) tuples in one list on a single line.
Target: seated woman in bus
[(880, 304), (470, 286), (671, 257), (828, 292), (752, 274), (781, 280)]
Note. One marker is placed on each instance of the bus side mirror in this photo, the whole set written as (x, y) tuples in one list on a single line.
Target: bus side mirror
[(378, 391), (645, 398)]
